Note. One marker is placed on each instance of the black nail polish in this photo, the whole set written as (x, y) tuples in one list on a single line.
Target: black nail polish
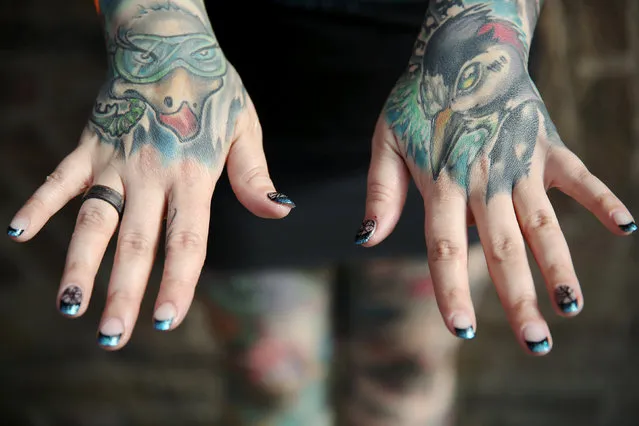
[(13, 232), (465, 333), (109, 341), (539, 347), (71, 300), (566, 300), (280, 198), (366, 231), (163, 325), (628, 227)]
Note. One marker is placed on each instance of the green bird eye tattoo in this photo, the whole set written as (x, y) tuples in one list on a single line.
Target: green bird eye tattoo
[(467, 94), (170, 86)]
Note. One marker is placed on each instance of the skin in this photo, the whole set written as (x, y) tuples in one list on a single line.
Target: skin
[(468, 126), (169, 117), (467, 123)]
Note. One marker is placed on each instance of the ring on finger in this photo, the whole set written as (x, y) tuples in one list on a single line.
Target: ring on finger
[(107, 194)]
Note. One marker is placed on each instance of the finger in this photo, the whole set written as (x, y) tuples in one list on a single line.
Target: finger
[(508, 266), (446, 240), (572, 177), (186, 236), (67, 181), (540, 227), (136, 247), (249, 176), (388, 180), (96, 223)]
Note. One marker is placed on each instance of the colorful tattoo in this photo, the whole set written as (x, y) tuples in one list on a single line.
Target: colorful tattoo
[(170, 86), (273, 328), (466, 95)]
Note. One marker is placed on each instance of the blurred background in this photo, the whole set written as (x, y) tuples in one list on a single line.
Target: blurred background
[(586, 64)]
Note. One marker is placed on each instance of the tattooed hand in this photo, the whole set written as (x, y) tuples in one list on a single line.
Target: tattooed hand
[(171, 112), (466, 121)]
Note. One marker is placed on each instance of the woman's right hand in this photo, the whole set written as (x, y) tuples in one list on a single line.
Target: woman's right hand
[(171, 114)]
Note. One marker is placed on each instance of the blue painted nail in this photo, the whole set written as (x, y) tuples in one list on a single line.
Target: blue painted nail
[(539, 347), (109, 341), (13, 232), (71, 300), (465, 333), (366, 231), (566, 300), (628, 227), (279, 198), (162, 325)]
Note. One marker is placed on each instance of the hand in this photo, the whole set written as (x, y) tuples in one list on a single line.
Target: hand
[(172, 113), (467, 123)]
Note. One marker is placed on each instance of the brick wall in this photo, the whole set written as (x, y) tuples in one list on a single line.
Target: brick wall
[(51, 373)]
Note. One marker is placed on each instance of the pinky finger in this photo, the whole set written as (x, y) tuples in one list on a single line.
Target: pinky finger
[(574, 179), (66, 182)]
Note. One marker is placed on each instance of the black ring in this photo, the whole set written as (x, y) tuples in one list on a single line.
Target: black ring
[(107, 194)]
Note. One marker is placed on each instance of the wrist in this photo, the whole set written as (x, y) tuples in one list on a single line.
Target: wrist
[(506, 19), (122, 13)]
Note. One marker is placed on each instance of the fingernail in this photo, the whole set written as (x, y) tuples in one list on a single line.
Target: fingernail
[(110, 332), (463, 327), (536, 338), (366, 231), (280, 198), (625, 222), (71, 300), (163, 317), (566, 300), (17, 227)]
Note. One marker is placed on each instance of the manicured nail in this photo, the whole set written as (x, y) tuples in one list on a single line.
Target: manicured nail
[(628, 227), (71, 300), (463, 327), (280, 198), (110, 332), (625, 222), (566, 300), (366, 231), (163, 317), (17, 227), (536, 338)]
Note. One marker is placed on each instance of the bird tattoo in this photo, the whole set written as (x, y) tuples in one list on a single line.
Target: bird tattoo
[(467, 94)]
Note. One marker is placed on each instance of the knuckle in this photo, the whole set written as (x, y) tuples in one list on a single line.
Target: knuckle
[(255, 175), (540, 220), (178, 241), (503, 248), (605, 199), (58, 176), (379, 193), (581, 173), (454, 294), (559, 272), (182, 286), (91, 217), (191, 173), (442, 250), (523, 303), (134, 243), (122, 298)]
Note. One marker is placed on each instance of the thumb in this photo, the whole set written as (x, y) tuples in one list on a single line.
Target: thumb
[(388, 179), (249, 176)]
